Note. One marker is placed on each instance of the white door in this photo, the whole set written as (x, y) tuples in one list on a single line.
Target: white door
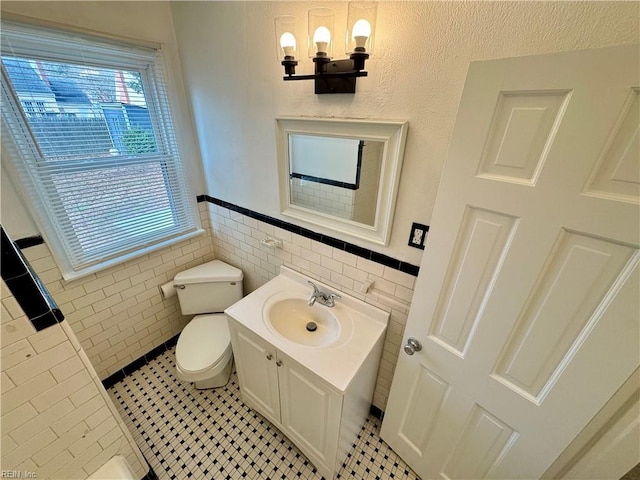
[(527, 300)]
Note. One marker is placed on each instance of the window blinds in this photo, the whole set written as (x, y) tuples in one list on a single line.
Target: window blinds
[(92, 140)]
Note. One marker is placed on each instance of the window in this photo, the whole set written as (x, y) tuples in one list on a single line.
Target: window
[(92, 141), (33, 108)]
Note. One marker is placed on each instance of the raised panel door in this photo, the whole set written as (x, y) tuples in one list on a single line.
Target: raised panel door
[(527, 299)]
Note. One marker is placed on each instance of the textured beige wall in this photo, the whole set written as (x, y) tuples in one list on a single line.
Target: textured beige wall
[(417, 73)]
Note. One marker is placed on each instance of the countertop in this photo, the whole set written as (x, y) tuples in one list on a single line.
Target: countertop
[(337, 363)]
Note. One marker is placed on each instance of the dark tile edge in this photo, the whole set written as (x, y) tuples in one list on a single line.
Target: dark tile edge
[(326, 239), (151, 475), (140, 362), (376, 412), (27, 242), (25, 285)]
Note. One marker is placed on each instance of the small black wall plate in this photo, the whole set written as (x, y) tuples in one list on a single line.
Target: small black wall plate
[(418, 235), (337, 85)]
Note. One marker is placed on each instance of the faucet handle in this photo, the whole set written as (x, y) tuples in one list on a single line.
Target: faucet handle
[(330, 302)]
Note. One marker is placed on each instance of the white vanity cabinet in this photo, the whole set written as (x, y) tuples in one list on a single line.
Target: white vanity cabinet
[(318, 393), (302, 405)]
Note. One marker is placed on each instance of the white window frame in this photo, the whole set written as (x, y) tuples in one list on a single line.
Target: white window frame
[(21, 149)]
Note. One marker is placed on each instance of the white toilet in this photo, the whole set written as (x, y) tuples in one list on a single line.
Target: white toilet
[(203, 352)]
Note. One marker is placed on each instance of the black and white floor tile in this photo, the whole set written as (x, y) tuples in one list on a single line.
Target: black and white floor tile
[(187, 433)]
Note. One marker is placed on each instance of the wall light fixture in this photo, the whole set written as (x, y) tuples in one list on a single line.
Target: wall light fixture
[(331, 76)]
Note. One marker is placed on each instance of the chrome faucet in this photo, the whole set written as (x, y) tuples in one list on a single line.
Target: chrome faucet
[(326, 299)]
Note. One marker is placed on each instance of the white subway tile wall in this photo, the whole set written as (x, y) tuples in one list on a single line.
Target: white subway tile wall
[(323, 198), (57, 419), (236, 239), (118, 314)]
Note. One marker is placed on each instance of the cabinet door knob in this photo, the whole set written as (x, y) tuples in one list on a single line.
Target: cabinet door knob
[(412, 346), (279, 363), (269, 356)]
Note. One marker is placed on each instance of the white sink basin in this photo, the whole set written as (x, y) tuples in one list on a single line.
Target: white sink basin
[(347, 334), (295, 320)]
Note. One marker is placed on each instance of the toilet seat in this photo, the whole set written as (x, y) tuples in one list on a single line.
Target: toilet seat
[(204, 344)]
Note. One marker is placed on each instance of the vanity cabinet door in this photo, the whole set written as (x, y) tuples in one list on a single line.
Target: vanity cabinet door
[(310, 413), (257, 372), (305, 407)]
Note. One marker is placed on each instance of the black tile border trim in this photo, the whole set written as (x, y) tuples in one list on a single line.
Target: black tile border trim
[(140, 362), (151, 475), (328, 181), (27, 242), (327, 240), (336, 183), (376, 412), (26, 287), (290, 227)]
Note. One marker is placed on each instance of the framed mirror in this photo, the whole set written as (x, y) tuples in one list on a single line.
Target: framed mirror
[(341, 174)]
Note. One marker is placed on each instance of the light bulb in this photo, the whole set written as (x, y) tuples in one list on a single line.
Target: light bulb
[(361, 32), (288, 44), (322, 37)]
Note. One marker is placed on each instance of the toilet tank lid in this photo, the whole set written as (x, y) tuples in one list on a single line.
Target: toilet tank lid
[(214, 271)]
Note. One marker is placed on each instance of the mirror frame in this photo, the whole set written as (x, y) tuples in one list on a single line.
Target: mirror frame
[(393, 133)]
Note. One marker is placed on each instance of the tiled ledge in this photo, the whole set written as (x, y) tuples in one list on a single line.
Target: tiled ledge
[(327, 240), (26, 287), (27, 242)]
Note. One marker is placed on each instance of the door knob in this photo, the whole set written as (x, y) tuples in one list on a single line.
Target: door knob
[(412, 346), (269, 356)]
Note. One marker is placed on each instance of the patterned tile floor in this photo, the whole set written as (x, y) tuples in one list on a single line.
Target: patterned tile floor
[(188, 433)]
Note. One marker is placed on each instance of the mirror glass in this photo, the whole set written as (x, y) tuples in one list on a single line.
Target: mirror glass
[(341, 174), (336, 176)]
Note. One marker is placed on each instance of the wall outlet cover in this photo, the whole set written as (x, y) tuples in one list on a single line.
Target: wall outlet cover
[(418, 235)]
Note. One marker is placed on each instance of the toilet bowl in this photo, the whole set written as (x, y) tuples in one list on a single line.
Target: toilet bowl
[(203, 352)]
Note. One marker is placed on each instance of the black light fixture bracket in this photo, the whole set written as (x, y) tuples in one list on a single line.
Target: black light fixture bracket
[(331, 76)]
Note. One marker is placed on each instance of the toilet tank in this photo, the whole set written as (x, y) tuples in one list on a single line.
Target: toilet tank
[(208, 288)]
